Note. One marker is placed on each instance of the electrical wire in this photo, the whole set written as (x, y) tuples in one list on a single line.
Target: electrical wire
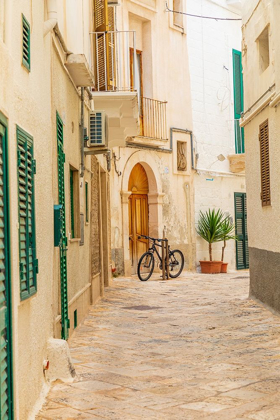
[(199, 16)]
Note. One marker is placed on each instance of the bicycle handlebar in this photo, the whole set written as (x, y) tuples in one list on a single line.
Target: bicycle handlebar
[(152, 239)]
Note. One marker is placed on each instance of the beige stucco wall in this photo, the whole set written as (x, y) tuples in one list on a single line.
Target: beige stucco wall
[(165, 78), (263, 231), (25, 101), (30, 100)]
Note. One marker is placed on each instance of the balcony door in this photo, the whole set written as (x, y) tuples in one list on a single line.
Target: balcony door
[(138, 214), (136, 81)]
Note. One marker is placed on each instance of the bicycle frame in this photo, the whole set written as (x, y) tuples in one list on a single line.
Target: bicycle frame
[(154, 249)]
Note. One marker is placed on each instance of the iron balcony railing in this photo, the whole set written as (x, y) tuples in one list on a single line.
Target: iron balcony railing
[(153, 118), (112, 52)]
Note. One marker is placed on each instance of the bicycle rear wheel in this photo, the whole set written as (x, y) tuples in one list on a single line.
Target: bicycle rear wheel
[(146, 266), (176, 263)]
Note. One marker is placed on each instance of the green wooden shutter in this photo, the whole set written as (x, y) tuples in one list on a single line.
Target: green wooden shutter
[(72, 203), (86, 187), (238, 100), (25, 43), (242, 250), (63, 245), (6, 398), (27, 239)]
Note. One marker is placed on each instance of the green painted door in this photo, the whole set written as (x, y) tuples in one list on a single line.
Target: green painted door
[(63, 243), (242, 250), (5, 298)]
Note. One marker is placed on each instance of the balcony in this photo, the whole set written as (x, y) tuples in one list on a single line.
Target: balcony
[(118, 90), (113, 91), (237, 161), (112, 64)]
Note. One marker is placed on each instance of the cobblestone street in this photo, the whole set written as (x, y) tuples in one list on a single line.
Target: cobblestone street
[(191, 348)]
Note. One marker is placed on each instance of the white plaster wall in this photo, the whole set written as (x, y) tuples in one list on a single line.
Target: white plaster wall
[(210, 45), (263, 226)]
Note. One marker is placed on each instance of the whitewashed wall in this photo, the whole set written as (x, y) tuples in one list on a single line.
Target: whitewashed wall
[(210, 45)]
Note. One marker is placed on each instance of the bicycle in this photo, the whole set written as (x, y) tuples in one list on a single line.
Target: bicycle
[(146, 263)]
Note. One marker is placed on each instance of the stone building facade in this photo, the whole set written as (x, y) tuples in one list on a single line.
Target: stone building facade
[(53, 265), (151, 180), (261, 125)]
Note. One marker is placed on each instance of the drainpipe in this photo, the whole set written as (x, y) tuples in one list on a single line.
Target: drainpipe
[(82, 134), (182, 130), (50, 23)]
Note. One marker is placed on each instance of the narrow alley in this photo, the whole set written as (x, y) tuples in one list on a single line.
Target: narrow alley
[(191, 348)]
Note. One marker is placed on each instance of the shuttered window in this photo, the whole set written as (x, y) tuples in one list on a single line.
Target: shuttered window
[(25, 43), (265, 169), (28, 264), (238, 100), (242, 250), (100, 15), (72, 211), (86, 193)]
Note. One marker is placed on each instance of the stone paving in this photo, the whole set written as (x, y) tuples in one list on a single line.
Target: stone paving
[(191, 348)]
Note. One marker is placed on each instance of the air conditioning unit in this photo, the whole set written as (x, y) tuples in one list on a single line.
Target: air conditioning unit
[(98, 129)]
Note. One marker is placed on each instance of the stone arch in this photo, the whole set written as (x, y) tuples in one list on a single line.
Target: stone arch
[(155, 196)]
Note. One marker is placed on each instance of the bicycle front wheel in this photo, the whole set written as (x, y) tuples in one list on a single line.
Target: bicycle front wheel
[(146, 266), (176, 263)]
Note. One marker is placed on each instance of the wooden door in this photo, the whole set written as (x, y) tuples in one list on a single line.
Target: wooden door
[(138, 225), (242, 251), (138, 213)]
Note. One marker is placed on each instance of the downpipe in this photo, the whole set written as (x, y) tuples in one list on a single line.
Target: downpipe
[(50, 23), (82, 171)]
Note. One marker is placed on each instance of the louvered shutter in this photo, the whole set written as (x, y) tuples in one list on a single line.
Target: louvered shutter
[(242, 251), (72, 204), (63, 245), (111, 47), (265, 167), (100, 15), (25, 43), (5, 336), (238, 100), (27, 241)]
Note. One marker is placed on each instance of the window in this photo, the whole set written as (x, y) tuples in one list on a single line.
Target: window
[(238, 101), (28, 264), (265, 169), (263, 41), (74, 190), (86, 194), (178, 17), (25, 43)]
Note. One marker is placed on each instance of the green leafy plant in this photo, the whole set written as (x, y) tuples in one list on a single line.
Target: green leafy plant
[(228, 230), (210, 227)]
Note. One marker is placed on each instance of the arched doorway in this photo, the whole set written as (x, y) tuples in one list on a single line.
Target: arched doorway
[(138, 214)]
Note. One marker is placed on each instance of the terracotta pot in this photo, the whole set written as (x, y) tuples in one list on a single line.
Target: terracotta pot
[(224, 267), (211, 267)]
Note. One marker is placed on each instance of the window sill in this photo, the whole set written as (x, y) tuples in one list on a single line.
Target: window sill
[(74, 240)]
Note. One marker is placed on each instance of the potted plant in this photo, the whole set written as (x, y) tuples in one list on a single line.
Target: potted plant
[(228, 230), (210, 229)]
